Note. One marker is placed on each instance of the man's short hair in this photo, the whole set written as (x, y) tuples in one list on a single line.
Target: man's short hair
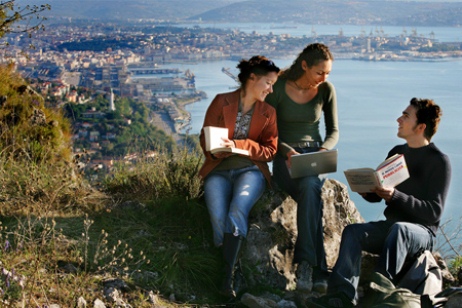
[(428, 113)]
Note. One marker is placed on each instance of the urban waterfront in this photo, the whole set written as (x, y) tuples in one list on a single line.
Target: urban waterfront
[(441, 34)]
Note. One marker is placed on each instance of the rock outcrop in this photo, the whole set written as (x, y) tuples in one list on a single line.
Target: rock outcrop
[(266, 260), (271, 239)]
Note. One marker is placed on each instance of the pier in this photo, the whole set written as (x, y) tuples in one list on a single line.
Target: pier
[(154, 71)]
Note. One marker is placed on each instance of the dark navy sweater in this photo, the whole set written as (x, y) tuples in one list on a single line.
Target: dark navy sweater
[(420, 199)]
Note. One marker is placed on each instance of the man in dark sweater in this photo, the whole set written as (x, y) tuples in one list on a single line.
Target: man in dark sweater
[(413, 209)]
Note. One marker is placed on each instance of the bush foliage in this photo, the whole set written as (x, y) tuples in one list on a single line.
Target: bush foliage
[(30, 132)]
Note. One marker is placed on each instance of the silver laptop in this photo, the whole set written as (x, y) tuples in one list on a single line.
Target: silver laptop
[(313, 163)]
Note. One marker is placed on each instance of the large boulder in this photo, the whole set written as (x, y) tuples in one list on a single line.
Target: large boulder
[(271, 238)]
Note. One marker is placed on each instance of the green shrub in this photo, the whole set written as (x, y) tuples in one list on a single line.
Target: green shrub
[(455, 266), (37, 174), (28, 130)]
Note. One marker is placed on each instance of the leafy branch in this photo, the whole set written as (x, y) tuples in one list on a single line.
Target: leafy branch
[(16, 19)]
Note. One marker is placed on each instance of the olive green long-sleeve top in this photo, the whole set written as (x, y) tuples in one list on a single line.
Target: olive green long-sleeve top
[(300, 122)]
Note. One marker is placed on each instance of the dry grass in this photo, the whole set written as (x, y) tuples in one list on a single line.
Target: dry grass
[(61, 238), (66, 241)]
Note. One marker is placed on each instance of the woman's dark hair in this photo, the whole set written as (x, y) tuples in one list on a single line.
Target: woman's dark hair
[(258, 65), (313, 54), (428, 113)]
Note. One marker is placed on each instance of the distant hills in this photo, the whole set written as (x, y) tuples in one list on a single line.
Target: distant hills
[(163, 10), (359, 12), (340, 12)]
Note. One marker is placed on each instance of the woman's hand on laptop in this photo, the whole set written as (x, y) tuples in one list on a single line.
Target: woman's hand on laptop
[(289, 155)]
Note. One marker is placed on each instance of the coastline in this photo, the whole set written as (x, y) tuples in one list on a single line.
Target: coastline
[(177, 125)]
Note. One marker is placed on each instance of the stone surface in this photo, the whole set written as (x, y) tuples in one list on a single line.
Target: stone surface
[(454, 301), (81, 302), (257, 302), (273, 231), (99, 304)]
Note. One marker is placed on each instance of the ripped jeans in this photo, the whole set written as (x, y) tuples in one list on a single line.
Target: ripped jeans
[(230, 195)]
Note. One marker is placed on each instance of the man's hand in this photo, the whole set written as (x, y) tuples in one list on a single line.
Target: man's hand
[(384, 192)]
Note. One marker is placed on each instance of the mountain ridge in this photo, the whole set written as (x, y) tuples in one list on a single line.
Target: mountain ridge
[(341, 12), (361, 12)]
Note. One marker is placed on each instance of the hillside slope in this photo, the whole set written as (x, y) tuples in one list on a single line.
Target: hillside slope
[(405, 13), (339, 12)]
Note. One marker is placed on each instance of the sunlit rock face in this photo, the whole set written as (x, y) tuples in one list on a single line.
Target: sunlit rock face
[(268, 253)]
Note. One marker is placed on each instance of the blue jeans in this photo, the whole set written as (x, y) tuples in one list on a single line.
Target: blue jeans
[(306, 191), (395, 242), (230, 195)]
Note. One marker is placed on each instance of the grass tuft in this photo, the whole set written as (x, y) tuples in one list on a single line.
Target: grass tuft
[(157, 177)]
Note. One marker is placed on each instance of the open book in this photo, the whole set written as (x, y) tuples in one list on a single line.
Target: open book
[(214, 142), (389, 173)]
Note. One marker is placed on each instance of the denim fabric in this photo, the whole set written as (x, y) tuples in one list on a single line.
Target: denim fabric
[(230, 195), (396, 242), (306, 191)]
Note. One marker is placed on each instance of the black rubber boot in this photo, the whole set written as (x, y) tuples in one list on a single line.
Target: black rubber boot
[(231, 246)]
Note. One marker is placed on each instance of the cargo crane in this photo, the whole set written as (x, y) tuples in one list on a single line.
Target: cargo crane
[(227, 72), (189, 74), (191, 78)]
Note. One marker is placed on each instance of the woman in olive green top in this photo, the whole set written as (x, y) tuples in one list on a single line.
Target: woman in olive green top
[(301, 97)]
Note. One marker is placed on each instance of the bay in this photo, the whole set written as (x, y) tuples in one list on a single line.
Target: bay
[(371, 96)]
